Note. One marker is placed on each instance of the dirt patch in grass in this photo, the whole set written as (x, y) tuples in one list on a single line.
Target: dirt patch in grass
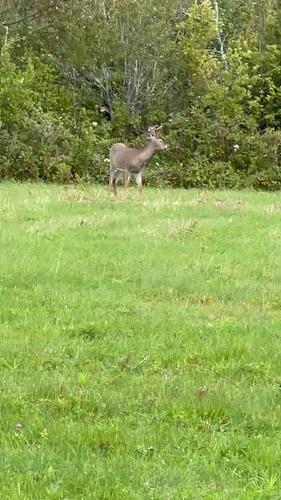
[(232, 204), (182, 229), (199, 199), (73, 194), (273, 208)]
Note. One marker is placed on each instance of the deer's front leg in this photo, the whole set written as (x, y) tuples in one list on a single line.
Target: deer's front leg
[(139, 182), (127, 179), (112, 182)]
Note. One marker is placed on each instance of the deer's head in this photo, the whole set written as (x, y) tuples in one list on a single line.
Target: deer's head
[(155, 139)]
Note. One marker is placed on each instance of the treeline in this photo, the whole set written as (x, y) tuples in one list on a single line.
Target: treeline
[(77, 75)]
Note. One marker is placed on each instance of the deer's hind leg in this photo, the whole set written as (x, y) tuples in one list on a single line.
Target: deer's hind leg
[(139, 182), (127, 179), (113, 179)]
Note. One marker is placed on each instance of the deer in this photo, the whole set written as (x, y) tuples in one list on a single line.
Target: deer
[(132, 160)]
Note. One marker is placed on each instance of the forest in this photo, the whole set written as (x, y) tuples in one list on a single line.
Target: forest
[(78, 75)]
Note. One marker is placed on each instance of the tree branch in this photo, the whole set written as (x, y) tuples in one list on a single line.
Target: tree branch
[(18, 21)]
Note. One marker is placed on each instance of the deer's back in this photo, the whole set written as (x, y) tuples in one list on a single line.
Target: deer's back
[(122, 156), (116, 151), (119, 146)]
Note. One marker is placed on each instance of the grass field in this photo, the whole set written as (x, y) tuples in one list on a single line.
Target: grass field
[(140, 344)]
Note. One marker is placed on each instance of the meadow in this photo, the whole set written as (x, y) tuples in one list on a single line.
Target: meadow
[(140, 344)]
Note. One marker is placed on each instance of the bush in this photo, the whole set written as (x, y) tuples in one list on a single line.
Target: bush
[(42, 136), (49, 132)]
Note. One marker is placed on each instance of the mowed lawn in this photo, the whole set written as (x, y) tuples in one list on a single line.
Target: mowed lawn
[(140, 344)]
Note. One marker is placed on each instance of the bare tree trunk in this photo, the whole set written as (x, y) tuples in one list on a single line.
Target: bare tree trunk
[(139, 83), (219, 36)]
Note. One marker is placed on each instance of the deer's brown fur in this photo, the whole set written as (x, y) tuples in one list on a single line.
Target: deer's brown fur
[(132, 160)]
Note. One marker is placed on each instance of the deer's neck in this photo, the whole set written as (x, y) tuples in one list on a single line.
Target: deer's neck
[(147, 152)]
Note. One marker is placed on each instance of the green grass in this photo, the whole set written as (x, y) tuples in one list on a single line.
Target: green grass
[(140, 344)]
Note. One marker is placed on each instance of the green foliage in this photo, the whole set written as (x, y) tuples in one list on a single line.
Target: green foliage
[(43, 136), (92, 73)]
